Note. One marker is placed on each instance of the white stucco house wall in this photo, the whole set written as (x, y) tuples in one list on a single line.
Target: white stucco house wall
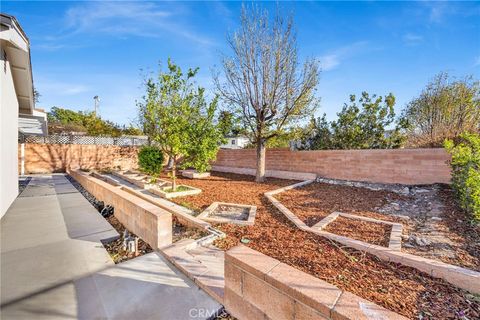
[(235, 142), (16, 97)]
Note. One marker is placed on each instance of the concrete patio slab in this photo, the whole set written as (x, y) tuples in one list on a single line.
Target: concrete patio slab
[(147, 287), (54, 266)]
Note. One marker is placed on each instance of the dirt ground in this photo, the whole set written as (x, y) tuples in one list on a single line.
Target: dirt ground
[(398, 288)]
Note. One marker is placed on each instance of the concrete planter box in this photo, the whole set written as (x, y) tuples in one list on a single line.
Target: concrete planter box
[(209, 214), (193, 174), (138, 179), (150, 222), (141, 180), (168, 195)]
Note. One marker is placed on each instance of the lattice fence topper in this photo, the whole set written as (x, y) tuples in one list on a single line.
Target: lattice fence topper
[(77, 139)]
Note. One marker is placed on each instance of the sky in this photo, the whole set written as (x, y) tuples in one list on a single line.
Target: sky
[(83, 49)]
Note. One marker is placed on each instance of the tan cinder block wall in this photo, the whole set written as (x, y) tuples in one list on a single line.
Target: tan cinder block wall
[(46, 158), (405, 166), (260, 287), (146, 220)]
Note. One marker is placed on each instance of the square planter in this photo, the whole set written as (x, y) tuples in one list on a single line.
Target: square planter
[(193, 174), (159, 190), (138, 179), (223, 212)]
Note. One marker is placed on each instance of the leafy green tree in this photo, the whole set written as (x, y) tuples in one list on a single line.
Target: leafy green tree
[(446, 108), (229, 124), (62, 120), (179, 119), (264, 81), (363, 124), (204, 135), (131, 131), (318, 135), (65, 116)]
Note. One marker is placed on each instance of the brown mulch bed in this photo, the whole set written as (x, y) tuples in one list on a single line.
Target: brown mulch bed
[(180, 231), (401, 289), (315, 201), (115, 248), (370, 232)]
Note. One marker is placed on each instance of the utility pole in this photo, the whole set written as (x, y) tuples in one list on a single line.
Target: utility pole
[(96, 100)]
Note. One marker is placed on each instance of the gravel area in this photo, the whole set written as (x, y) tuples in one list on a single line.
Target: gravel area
[(115, 248), (182, 232), (370, 232), (401, 289), (223, 315)]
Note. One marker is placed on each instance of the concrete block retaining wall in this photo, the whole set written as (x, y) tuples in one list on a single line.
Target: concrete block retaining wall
[(404, 166), (146, 220), (260, 287), (47, 158)]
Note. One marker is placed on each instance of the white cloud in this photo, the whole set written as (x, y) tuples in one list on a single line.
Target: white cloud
[(123, 19), (334, 58), (411, 39), (60, 88), (329, 62), (477, 62)]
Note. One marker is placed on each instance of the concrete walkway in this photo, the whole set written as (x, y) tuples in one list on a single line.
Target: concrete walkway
[(53, 265)]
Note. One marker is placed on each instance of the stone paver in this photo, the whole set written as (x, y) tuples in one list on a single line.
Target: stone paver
[(54, 266)]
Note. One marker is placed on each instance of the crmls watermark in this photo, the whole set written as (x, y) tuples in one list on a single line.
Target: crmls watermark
[(202, 313)]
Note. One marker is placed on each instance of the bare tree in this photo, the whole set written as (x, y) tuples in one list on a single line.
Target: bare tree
[(263, 79)]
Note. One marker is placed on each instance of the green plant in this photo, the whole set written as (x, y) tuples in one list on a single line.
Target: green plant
[(175, 114), (150, 160), (465, 165), (177, 189)]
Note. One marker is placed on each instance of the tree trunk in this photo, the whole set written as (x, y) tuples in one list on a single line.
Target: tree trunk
[(260, 174), (174, 177), (170, 162)]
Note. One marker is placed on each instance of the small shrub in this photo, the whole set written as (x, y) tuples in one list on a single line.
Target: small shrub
[(466, 172), (150, 160)]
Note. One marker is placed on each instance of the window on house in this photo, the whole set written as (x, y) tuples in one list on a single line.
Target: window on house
[(233, 142)]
